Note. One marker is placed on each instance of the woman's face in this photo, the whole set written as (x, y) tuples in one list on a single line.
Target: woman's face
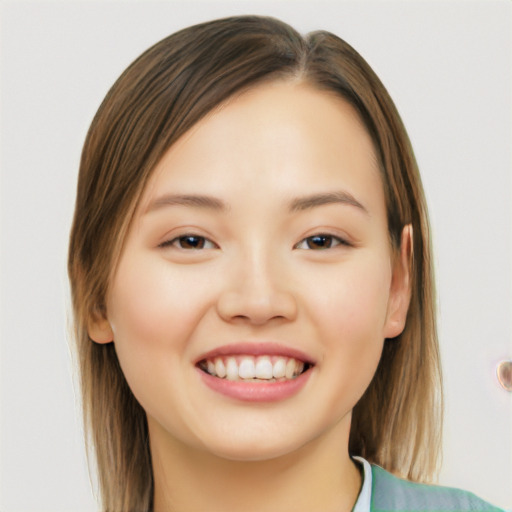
[(260, 250)]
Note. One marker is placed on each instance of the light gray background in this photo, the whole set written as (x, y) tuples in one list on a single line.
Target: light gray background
[(448, 66)]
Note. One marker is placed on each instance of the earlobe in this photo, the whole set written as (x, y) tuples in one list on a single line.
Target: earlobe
[(99, 329), (400, 292)]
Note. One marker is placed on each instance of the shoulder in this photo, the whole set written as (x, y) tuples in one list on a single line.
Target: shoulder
[(393, 494)]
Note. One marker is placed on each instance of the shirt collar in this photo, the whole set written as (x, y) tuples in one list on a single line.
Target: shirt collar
[(365, 495)]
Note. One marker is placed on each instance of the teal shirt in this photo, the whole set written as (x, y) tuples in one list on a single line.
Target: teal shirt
[(392, 494)]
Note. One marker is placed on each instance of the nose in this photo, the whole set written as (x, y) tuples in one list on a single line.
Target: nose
[(257, 293)]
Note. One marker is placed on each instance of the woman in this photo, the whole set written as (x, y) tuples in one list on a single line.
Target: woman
[(252, 283)]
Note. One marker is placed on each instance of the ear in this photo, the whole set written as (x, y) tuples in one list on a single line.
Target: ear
[(99, 328), (400, 291)]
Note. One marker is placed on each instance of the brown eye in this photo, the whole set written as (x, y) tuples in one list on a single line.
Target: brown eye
[(190, 242), (320, 242)]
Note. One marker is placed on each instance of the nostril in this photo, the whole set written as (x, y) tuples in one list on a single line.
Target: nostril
[(256, 304)]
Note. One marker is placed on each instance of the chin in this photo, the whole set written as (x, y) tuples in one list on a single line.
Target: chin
[(253, 453), (257, 447)]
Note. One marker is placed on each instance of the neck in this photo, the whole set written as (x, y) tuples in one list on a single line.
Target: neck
[(310, 478)]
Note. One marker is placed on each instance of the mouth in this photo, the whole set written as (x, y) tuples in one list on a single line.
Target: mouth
[(265, 368), (263, 372)]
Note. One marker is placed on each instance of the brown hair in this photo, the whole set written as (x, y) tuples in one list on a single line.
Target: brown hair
[(162, 94)]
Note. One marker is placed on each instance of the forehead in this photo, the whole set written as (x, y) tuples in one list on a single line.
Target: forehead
[(281, 136)]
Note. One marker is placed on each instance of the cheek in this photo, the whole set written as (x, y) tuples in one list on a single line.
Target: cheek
[(153, 312), (350, 315), (353, 301)]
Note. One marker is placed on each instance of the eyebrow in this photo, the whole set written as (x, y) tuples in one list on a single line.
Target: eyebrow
[(312, 201), (201, 201), (296, 204)]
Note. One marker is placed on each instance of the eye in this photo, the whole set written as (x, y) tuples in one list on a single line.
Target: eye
[(190, 242), (321, 242)]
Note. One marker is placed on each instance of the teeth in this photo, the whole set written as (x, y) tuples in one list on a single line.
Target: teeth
[(220, 369), (231, 369), (279, 369), (290, 368), (262, 368), (246, 369), (210, 366)]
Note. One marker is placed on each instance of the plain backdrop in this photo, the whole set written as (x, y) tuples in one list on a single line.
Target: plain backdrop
[(448, 66)]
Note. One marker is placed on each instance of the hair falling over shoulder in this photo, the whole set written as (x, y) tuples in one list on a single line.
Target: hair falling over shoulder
[(161, 95)]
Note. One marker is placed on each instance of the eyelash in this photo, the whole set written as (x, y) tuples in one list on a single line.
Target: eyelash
[(325, 237), (202, 241)]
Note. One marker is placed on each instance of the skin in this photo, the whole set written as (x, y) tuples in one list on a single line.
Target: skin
[(259, 276)]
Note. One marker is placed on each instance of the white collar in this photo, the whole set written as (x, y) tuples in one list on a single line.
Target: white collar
[(365, 495)]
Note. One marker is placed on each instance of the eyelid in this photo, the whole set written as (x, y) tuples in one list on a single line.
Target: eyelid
[(339, 239), (170, 242)]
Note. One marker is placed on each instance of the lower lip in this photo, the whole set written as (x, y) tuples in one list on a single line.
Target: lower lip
[(256, 391)]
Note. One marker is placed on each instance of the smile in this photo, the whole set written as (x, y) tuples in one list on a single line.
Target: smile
[(263, 368), (255, 371)]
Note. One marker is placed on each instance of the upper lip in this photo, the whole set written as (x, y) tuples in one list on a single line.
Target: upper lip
[(269, 348)]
